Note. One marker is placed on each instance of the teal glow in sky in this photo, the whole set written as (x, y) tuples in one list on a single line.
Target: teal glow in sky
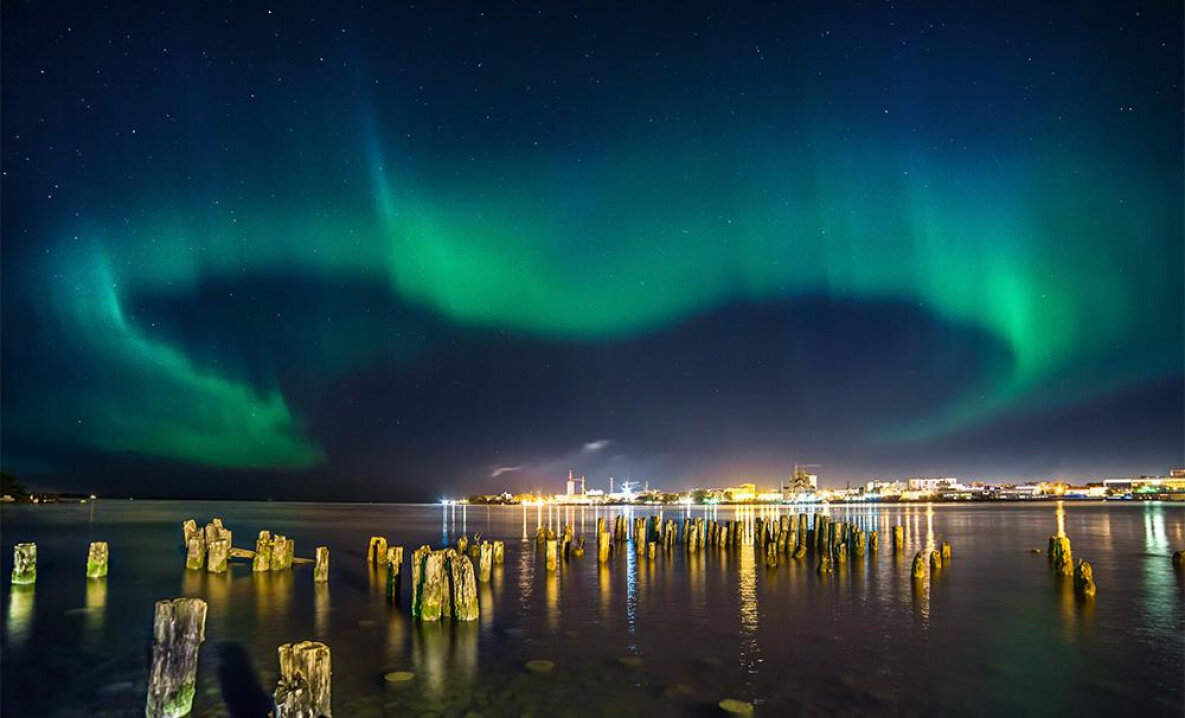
[(1012, 179)]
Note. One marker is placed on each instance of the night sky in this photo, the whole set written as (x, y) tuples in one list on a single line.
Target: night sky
[(398, 252)]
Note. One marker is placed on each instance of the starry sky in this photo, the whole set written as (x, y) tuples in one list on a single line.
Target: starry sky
[(392, 251)]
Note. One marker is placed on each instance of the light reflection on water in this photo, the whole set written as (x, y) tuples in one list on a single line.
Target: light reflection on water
[(993, 617)]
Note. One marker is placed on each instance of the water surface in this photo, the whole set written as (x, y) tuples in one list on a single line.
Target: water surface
[(994, 632)]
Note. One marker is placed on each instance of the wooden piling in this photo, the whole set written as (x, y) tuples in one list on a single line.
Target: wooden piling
[(551, 552), (394, 571), (1060, 555), (603, 546), (499, 553), (376, 551), (304, 688), (935, 561), (771, 555), (462, 545), (873, 541), (178, 630), (1084, 580), (195, 552), (283, 549), (262, 560), (898, 538), (217, 555), (918, 570), (464, 586), (485, 562), (24, 563), (945, 550), (429, 584), (321, 569), (96, 560), (188, 529), (824, 564)]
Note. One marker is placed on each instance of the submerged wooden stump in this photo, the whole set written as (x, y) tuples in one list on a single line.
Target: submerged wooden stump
[(1060, 555), (578, 549), (283, 549), (430, 592), (550, 555), (1084, 579), (824, 564), (195, 552), (651, 550), (321, 569), (96, 560), (603, 546), (178, 629), (485, 562), (499, 553), (24, 563), (464, 586), (304, 689), (799, 550), (394, 570), (376, 552), (262, 560), (918, 569), (217, 555), (188, 529)]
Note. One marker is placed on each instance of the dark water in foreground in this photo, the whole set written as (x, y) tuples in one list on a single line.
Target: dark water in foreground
[(994, 633)]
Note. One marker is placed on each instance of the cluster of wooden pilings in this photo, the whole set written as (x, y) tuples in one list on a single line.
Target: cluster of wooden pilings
[(1061, 559), (211, 548)]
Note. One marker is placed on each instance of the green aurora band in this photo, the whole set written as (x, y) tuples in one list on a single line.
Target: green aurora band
[(1058, 255)]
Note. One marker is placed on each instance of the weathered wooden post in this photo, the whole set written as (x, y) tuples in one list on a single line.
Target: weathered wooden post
[(218, 553), (178, 629), (394, 570), (262, 560), (1178, 559), (841, 552), (24, 563), (918, 570), (859, 544), (304, 688), (945, 550), (499, 553), (188, 529), (96, 560), (1060, 555), (824, 563), (873, 541), (935, 561), (799, 550), (651, 550), (195, 552), (485, 562), (551, 555), (771, 555), (540, 535), (463, 545), (1084, 579), (578, 548), (321, 569), (429, 585), (376, 552), (898, 538), (464, 586), (603, 546), (283, 549)]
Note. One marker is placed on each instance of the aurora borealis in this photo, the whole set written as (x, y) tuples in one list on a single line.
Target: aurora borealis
[(400, 247)]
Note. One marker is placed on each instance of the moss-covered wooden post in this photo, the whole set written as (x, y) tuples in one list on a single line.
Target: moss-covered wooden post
[(824, 563), (898, 538), (394, 571), (305, 686), (873, 541), (262, 560), (603, 546), (188, 529), (24, 563), (499, 553), (918, 569), (217, 555), (96, 560), (376, 551), (463, 545), (464, 586), (178, 630), (771, 555), (945, 550), (485, 562), (551, 552), (1084, 580), (195, 552), (283, 549), (1060, 555), (321, 568), (935, 561), (431, 599)]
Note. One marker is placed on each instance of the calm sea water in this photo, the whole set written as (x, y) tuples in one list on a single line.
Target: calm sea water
[(994, 633)]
